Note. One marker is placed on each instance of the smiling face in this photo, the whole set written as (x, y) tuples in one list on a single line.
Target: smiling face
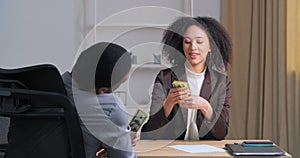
[(196, 47)]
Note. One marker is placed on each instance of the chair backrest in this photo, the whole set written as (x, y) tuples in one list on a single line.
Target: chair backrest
[(43, 122)]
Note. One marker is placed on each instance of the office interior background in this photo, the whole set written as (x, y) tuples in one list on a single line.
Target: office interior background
[(265, 72)]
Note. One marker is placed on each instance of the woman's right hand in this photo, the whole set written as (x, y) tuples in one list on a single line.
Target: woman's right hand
[(175, 96)]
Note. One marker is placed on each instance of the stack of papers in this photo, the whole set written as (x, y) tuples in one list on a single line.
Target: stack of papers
[(197, 148)]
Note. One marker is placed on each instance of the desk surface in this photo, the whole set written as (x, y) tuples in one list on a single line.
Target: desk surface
[(159, 148)]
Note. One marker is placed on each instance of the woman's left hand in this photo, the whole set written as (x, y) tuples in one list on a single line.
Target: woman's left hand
[(197, 102)]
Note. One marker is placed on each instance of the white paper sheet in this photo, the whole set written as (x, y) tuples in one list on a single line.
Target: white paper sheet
[(197, 148)]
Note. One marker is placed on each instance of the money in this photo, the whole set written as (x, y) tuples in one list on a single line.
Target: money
[(177, 84), (138, 120)]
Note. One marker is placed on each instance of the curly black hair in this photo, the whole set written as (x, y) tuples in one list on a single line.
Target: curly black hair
[(219, 39)]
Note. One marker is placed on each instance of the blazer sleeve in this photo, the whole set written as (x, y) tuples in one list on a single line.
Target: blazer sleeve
[(218, 127), (157, 117), (159, 126)]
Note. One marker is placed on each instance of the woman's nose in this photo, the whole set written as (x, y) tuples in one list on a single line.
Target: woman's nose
[(193, 46)]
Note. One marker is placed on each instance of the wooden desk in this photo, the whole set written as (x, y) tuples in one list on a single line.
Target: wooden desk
[(159, 148)]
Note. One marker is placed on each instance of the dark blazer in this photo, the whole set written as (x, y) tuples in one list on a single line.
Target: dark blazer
[(215, 89)]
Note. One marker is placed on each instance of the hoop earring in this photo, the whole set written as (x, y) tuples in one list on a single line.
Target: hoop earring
[(208, 53)]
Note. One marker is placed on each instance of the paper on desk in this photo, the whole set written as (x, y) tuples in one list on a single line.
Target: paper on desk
[(197, 148)]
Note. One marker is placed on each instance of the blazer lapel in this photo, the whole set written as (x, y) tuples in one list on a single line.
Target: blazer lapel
[(207, 85)]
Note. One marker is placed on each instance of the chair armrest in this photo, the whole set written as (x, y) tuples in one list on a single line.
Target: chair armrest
[(3, 147)]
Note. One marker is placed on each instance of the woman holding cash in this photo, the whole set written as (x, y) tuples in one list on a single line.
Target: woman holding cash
[(190, 100)]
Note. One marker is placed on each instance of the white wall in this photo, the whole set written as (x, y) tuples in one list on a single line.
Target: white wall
[(210, 8), (39, 31)]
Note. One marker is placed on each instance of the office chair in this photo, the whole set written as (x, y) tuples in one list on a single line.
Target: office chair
[(43, 122)]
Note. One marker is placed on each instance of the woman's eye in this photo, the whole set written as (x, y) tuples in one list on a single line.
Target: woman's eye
[(199, 42)]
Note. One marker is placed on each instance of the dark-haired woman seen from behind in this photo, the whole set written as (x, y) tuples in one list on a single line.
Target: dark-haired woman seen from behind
[(200, 50), (98, 71)]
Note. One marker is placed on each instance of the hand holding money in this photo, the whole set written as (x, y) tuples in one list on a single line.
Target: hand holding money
[(179, 92), (138, 120)]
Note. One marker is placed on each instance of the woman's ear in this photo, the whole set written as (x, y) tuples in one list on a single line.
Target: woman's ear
[(208, 53), (103, 90)]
